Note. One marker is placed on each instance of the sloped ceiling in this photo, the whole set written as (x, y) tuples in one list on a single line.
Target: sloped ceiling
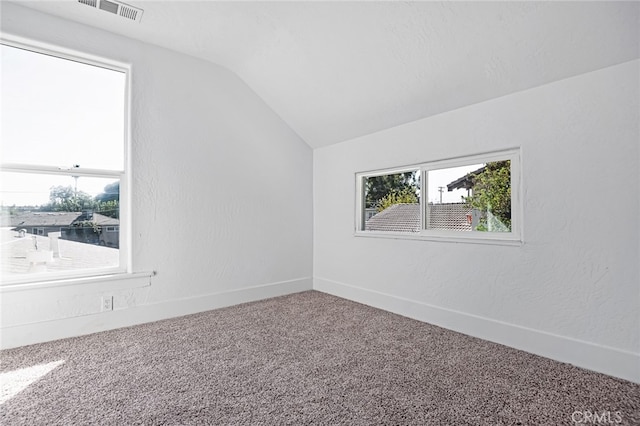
[(338, 70)]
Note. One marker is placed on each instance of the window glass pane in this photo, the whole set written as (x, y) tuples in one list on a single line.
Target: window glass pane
[(470, 198), (58, 112), (391, 202), (58, 223)]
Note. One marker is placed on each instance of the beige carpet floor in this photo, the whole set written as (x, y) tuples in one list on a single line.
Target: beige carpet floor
[(303, 359)]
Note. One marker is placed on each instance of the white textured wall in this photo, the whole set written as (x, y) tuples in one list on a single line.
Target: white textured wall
[(221, 191), (572, 291), (222, 210)]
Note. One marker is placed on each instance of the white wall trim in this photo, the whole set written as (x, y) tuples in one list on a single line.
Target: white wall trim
[(603, 359), (27, 334)]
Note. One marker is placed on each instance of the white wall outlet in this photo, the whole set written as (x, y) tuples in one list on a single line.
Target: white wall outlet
[(107, 303)]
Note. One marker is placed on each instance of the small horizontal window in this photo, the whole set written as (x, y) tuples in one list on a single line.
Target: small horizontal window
[(475, 197)]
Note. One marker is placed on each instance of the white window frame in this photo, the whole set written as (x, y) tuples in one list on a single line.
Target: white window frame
[(506, 238), (123, 175)]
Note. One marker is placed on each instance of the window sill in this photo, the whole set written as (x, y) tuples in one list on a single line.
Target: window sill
[(442, 238), (121, 281)]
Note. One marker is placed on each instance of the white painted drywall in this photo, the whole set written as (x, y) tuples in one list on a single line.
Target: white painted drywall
[(222, 204), (222, 210), (336, 70), (572, 290)]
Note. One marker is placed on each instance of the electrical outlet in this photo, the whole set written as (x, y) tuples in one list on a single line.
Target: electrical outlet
[(107, 303)]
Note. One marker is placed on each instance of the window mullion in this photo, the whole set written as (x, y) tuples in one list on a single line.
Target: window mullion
[(424, 199)]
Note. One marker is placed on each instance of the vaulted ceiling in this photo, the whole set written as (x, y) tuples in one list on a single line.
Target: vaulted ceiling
[(338, 70)]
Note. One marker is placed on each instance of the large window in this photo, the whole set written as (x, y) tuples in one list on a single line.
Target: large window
[(64, 174), (471, 198)]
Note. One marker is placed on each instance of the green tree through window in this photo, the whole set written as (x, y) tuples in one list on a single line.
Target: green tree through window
[(392, 188), (492, 195)]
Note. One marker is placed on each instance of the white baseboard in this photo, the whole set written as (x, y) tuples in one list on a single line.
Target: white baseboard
[(27, 334), (603, 359)]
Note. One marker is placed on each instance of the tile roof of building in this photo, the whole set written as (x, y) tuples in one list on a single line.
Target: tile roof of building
[(406, 218), (105, 220), (52, 219), (398, 218), (466, 181), (450, 216), (44, 219)]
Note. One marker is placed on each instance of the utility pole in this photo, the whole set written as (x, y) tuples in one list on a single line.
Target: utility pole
[(75, 189), (441, 190)]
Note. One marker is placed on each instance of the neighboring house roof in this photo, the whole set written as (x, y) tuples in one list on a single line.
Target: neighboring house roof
[(57, 219), (452, 216), (406, 218), (103, 220), (465, 181), (398, 218), (44, 219)]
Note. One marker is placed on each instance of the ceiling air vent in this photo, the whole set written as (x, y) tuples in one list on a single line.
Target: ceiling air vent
[(115, 7)]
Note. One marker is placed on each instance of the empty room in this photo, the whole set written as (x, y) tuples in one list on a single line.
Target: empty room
[(319, 212)]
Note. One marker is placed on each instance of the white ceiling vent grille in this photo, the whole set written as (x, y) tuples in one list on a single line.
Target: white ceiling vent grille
[(115, 7)]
